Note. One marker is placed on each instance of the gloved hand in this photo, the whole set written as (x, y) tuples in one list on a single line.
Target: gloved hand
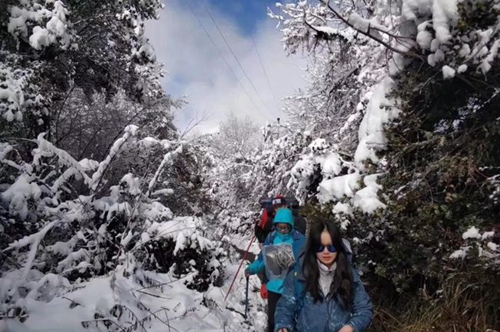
[(247, 273), (263, 291)]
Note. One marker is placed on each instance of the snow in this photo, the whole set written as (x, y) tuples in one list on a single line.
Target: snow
[(18, 194), (487, 235), (435, 45), (464, 50), (45, 148), (359, 23), (133, 184), (462, 69), (115, 149), (338, 187), (331, 164), (156, 210), (493, 246), (164, 192), (125, 241), (448, 72), (40, 38), (342, 208), (88, 164), (147, 142), (424, 39), (242, 244), (33, 240), (63, 248), (471, 233), (379, 112), (11, 93), (460, 253), (485, 65), (444, 15), (167, 159), (56, 28), (348, 35), (183, 311), (366, 199)]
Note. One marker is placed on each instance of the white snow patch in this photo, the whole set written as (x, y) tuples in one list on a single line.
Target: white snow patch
[(462, 69), (460, 253), (471, 233), (380, 111), (366, 199), (492, 246), (338, 187), (448, 72)]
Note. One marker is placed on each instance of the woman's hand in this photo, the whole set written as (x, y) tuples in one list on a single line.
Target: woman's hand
[(347, 328)]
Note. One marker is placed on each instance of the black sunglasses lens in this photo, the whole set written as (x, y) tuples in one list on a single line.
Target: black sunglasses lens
[(330, 248)]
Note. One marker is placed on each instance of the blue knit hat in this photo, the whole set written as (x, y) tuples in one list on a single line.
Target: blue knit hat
[(284, 216)]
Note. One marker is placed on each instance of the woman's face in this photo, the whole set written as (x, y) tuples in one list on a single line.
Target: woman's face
[(325, 256)]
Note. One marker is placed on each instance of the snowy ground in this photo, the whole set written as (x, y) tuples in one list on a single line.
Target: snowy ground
[(117, 303)]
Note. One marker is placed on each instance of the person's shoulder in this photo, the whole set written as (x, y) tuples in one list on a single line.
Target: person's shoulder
[(298, 235)]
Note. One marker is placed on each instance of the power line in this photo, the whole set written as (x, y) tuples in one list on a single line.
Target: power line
[(222, 56), (235, 57), (265, 73)]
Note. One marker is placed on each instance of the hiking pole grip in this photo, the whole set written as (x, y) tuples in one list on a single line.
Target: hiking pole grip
[(237, 272)]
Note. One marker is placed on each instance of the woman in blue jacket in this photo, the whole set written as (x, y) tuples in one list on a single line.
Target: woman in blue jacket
[(279, 252), (323, 292)]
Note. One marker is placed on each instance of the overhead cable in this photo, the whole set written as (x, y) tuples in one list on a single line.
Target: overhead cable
[(235, 57), (222, 56), (265, 72)]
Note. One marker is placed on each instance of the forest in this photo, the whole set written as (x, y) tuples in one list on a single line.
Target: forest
[(113, 219)]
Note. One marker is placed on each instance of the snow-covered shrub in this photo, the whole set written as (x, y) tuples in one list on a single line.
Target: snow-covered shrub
[(180, 246), (56, 235)]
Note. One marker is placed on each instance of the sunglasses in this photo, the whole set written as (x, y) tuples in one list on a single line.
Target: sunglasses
[(283, 228), (330, 248)]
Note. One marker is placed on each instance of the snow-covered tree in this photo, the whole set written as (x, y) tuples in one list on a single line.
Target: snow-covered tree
[(48, 49), (412, 163)]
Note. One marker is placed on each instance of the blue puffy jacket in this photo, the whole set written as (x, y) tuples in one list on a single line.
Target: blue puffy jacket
[(298, 312), (297, 241)]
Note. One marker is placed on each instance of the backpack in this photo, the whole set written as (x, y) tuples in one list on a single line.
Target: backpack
[(264, 225)]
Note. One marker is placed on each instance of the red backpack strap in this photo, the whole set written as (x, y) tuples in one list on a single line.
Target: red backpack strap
[(264, 219)]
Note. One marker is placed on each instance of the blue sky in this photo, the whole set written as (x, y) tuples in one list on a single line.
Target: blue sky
[(201, 67), (247, 14)]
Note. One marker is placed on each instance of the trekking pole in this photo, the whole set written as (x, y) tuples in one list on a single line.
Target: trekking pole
[(237, 272), (246, 300)]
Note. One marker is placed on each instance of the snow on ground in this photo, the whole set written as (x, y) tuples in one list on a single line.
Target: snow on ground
[(163, 304), (241, 243)]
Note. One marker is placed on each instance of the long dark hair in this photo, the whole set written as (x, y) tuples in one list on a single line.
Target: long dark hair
[(341, 287)]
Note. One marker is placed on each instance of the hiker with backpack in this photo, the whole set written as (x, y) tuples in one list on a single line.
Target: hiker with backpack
[(280, 251), (264, 226), (323, 292)]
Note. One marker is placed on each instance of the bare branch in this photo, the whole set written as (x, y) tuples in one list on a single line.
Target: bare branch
[(367, 33)]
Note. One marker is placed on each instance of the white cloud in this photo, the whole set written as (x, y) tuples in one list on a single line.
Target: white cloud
[(195, 67)]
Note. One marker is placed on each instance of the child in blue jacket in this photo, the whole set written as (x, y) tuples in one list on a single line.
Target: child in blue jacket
[(323, 292), (280, 251)]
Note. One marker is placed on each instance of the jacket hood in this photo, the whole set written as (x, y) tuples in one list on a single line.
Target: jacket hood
[(284, 216)]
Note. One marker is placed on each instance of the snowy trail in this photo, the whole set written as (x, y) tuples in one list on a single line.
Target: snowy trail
[(118, 303)]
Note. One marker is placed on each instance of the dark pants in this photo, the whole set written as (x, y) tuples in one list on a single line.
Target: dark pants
[(263, 278), (272, 301)]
